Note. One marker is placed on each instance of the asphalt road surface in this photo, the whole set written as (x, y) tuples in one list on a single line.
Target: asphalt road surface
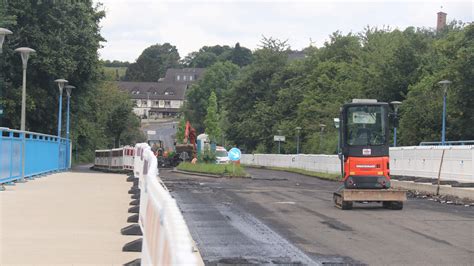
[(285, 218)]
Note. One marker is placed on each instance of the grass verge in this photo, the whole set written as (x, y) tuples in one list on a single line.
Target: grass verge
[(325, 176), (213, 169)]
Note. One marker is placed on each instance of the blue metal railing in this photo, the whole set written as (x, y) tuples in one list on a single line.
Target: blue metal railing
[(43, 154), (447, 143)]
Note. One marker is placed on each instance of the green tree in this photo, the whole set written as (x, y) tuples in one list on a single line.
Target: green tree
[(66, 37), (181, 130), (241, 56), (153, 63), (209, 55), (218, 79), (212, 119)]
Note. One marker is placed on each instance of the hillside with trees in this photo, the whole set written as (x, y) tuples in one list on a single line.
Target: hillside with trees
[(273, 93), (66, 37)]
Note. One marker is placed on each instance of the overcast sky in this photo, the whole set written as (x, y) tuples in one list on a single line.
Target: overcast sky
[(130, 26)]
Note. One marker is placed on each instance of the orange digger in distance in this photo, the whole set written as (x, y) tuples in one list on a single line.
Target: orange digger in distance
[(365, 164)]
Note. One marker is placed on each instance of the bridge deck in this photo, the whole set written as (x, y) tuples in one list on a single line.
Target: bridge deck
[(65, 218)]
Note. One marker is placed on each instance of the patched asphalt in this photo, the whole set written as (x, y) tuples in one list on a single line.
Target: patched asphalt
[(285, 218)]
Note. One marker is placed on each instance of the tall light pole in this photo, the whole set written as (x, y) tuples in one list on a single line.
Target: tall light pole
[(337, 125), (396, 105), (25, 54), (322, 126), (3, 32), (69, 88), (298, 131), (61, 83), (445, 84)]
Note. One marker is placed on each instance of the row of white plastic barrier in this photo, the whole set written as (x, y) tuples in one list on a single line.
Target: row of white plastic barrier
[(115, 159), (166, 238), (419, 161)]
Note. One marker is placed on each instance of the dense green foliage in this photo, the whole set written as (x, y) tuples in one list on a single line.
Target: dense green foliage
[(209, 55), (114, 73), (217, 79), (212, 119), (153, 63), (214, 169), (274, 93), (66, 37), (116, 63)]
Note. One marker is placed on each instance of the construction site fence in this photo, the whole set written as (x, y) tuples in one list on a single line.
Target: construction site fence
[(420, 161), (166, 238), (41, 153)]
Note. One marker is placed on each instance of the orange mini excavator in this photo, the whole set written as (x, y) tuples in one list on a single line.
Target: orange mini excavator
[(365, 164)]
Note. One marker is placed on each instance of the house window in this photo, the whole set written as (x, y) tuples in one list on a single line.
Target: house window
[(177, 77), (191, 78), (184, 77), (156, 103), (167, 103), (144, 103)]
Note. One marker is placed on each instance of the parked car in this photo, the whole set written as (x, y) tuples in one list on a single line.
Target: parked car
[(222, 156)]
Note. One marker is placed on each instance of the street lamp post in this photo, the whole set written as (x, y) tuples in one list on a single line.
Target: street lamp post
[(336, 125), (445, 84), (396, 105), (322, 126), (25, 54), (298, 131), (61, 83), (69, 88), (3, 33)]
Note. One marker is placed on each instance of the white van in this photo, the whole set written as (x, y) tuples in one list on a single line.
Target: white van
[(222, 156)]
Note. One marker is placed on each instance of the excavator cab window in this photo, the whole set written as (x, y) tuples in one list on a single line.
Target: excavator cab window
[(366, 126)]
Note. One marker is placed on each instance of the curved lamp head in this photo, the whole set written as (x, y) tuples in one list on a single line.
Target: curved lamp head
[(337, 122), (445, 83), (3, 33), (61, 84), (69, 88), (396, 105), (25, 54)]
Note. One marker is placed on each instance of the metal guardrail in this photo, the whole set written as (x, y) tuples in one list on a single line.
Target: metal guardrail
[(43, 153), (447, 143)]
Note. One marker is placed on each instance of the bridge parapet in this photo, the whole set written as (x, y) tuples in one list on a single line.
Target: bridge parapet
[(42, 154)]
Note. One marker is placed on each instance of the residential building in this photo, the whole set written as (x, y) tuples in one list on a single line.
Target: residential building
[(162, 99)]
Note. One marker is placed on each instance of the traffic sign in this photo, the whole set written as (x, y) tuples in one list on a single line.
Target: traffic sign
[(234, 154), (278, 138)]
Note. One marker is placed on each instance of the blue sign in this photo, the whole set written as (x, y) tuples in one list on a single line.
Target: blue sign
[(234, 154)]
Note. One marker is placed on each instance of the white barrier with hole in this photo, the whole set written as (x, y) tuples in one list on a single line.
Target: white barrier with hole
[(419, 161), (166, 238)]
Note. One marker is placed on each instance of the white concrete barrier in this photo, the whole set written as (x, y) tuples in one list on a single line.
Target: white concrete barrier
[(166, 238), (419, 161), (424, 161)]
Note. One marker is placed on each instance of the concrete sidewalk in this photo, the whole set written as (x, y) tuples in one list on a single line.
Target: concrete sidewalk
[(65, 218)]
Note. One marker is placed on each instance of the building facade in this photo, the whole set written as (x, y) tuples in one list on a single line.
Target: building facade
[(162, 99)]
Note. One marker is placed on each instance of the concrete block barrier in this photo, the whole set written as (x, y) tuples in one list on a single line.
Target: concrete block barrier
[(418, 161)]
